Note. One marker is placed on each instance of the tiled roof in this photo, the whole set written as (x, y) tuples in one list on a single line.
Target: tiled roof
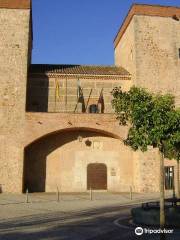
[(77, 69), (147, 10)]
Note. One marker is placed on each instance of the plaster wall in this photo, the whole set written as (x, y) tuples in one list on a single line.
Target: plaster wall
[(61, 161)]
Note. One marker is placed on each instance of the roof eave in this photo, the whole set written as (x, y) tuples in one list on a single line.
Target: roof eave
[(15, 4), (147, 10), (128, 76)]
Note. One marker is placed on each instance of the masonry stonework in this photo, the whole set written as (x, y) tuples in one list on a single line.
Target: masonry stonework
[(157, 48), (42, 92), (147, 45), (57, 120), (14, 37), (125, 51), (67, 159), (151, 46)]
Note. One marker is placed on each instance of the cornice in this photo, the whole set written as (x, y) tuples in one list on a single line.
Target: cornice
[(15, 4), (145, 10), (81, 76)]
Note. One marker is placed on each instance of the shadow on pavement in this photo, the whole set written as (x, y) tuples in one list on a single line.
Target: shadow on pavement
[(94, 224), (59, 225)]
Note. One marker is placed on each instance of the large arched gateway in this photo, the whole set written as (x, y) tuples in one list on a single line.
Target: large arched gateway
[(76, 160), (39, 101)]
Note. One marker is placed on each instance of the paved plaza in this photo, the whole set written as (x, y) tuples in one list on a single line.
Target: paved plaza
[(74, 217), (14, 205)]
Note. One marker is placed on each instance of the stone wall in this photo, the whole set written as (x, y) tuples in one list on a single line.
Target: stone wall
[(125, 51), (157, 59), (146, 170), (45, 133), (149, 50), (14, 37), (61, 160), (154, 42), (44, 95), (39, 125)]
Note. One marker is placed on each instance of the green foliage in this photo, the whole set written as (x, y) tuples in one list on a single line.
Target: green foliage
[(172, 144), (153, 119)]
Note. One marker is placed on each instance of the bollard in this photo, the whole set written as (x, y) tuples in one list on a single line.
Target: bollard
[(130, 193), (58, 195), (27, 196), (91, 197)]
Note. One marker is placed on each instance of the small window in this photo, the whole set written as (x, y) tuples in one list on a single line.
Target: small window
[(93, 108), (169, 177)]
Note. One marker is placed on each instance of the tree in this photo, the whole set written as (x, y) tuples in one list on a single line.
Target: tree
[(149, 117), (172, 145)]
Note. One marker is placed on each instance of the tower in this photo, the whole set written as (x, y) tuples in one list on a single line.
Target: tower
[(15, 22), (148, 46)]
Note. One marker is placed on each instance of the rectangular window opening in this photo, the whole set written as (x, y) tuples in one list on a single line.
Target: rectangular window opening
[(169, 177)]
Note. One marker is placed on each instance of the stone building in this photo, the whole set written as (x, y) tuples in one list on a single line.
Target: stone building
[(57, 126)]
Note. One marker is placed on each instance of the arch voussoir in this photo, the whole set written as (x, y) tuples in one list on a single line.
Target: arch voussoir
[(39, 125)]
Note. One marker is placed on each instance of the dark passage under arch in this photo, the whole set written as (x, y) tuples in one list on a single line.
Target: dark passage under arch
[(35, 167)]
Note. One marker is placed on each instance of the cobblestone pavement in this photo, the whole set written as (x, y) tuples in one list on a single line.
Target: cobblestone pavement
[(75, 216)]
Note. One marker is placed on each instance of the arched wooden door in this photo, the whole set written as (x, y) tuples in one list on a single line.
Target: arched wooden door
[(97, 176)]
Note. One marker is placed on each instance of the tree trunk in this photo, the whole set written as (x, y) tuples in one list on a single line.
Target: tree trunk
[(178, 189), (162, 209)]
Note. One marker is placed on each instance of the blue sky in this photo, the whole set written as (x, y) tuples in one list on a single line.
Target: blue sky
[(79, 31)]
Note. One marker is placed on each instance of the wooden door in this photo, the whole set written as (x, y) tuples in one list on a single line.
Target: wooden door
[(97, 176)]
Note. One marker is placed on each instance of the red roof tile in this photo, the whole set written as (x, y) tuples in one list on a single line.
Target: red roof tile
[(77, 69)]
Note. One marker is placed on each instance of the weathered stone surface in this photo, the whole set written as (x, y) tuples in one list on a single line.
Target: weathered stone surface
[(14, 37), (67, 160), (59, 137), (41, 124), (150, 50), (66, 93)]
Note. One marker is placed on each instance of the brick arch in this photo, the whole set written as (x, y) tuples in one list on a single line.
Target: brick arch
[(40, 125), (37, 152), (75, 129)]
